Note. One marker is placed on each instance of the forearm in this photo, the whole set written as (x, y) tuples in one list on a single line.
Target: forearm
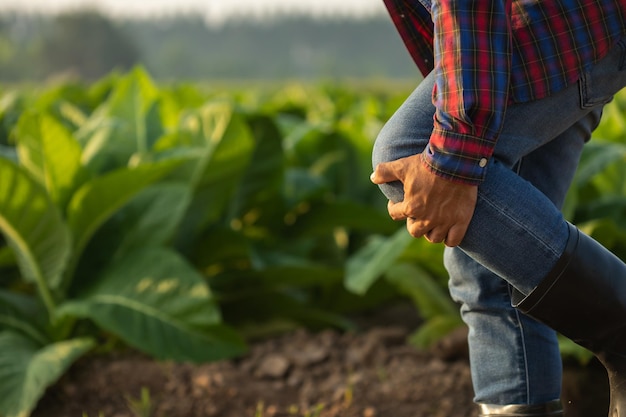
[(472, 47)]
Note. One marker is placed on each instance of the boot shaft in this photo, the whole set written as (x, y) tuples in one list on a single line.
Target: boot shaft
[(584, 298)]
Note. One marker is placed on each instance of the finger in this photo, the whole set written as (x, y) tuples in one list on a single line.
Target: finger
[(397, 211), (416, 228), (436, 235), (385, 172), (455, 235)]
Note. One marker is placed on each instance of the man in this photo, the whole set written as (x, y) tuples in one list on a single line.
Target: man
[(480, 157)]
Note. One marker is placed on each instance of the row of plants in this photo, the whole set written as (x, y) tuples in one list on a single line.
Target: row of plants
[(184, 220)]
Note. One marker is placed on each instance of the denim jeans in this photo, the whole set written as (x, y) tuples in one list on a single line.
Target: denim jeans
[(517, 232)]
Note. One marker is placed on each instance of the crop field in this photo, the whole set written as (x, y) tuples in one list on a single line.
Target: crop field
[(184, 220)]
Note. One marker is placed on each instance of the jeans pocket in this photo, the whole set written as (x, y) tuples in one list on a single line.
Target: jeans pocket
[(599, 83)]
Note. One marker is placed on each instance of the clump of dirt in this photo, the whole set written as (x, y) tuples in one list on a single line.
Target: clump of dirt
[(328, 374)]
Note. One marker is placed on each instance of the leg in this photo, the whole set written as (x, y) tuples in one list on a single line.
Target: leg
[(515, 359), (536, 237), (509, 206), (580, 292), (523, 350), (524, 212)]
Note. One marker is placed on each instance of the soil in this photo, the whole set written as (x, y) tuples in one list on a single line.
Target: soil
[(370, 373)]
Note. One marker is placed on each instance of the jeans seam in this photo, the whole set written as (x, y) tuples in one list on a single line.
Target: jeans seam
[(524, 354)]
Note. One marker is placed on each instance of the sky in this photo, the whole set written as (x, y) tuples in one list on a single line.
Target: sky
[(213, 10)]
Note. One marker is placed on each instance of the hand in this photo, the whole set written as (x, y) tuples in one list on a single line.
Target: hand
[(434, 207)]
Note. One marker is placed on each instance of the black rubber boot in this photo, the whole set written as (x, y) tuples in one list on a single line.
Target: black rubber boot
[(584, 298), (551, 409)]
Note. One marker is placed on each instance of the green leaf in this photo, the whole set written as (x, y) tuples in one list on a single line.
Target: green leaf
[(124, 125), (301, 186), (155, 301), (7, 258), (99, 198), (570, 349), (596, 157), (433, 330), (368, 264), (27, 369), (613, 122), (23, 314), (151, 218), (9, 152), (440, 313), (348, 214), (428, 295), (33, 228), (427, 256), (264, 175), (28, 146), (51, 154), (225, 141), (227, 147)]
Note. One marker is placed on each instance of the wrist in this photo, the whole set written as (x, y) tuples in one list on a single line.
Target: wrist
[(455, 165)]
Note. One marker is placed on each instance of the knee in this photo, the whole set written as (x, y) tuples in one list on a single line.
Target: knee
[(383, 150), (387, 148)]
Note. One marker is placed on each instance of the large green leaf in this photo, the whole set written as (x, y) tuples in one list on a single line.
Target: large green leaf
[(227, 148), (429, 296), (431, 299), (301, 187), (125, 125), (51, 154), (371, 262), (223, 138), (263, 178), (157, 303), (596, 157), (34, 229), (99, 198), (27, 369), (427, 256), (24, 314), (132, 101), (149, 219), (433, 330)]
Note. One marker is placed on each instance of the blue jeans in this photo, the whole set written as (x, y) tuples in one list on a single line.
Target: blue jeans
[(517, 232)]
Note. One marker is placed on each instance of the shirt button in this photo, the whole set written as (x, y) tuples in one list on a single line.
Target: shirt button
[(482, 163)]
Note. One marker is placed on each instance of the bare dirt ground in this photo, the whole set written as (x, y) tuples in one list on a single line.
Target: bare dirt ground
[(372, 373)]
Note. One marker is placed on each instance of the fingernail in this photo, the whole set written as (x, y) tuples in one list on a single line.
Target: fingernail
[(373, 174)]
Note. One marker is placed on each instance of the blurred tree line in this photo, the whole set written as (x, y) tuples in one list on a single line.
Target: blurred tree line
[(88, 44)]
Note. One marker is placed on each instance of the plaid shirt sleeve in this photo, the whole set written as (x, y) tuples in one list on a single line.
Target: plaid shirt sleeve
[(488, 53), (472, 53)]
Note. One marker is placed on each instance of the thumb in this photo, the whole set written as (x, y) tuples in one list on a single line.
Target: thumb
[(383, 173)]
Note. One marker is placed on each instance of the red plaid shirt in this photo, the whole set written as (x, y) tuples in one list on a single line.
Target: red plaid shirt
[(489, 53)]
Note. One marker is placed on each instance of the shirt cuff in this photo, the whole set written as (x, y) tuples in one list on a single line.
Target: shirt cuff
[(458, 157)]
